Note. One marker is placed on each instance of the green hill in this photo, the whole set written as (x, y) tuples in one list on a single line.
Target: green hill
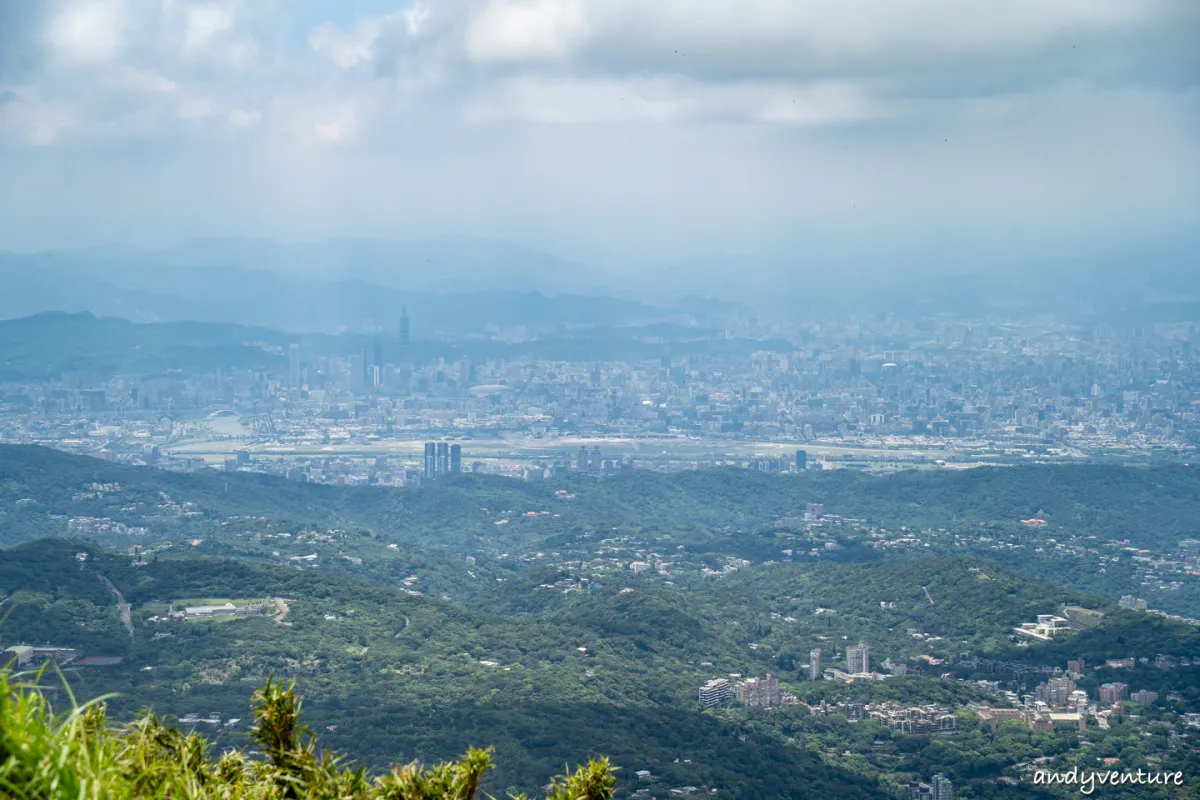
[(1151, 506), (399, 677)]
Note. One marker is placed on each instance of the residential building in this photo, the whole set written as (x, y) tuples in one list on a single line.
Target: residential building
[(918, 790), (1056, 692), (1113, 692), (857, 659), (430, 461), (759, 692), (443, 459), (715, 692)]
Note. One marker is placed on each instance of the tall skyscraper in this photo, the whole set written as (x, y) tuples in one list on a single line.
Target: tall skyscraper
[(404, 326), (801, 460), (857, 659), (430, 461), (581, 461), (357, 373), (597, 463), (456, 458), (942, 788), (443, 458), (814, 664), (293, 366)]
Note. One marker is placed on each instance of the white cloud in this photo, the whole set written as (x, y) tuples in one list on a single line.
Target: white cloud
[(204, 22), (346, 49), (194, 108), (822, 104), (675, 100), (146, 81), (240, 118), (88, 32), (788, 107), (526, 30), (338, 128), (571, 101), (414, 19), (34, 120)]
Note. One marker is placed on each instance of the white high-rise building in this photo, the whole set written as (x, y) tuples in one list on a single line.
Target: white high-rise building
[(857, 659), (814, 664)]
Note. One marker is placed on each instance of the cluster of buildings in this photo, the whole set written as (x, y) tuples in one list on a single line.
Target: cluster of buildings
[(1059, 701), (926, 719), (441, 458), (972, 391), (858, 664), (226, 609), (753, 692), (938, 788), (1040, 720)]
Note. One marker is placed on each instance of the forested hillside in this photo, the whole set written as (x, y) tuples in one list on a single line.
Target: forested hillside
[(577, 617), (1148, 505)]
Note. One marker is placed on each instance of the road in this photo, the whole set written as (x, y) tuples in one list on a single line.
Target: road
[(281, 606), (123, 608)]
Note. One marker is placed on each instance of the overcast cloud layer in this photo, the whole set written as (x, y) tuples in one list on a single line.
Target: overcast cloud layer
[(662, 129)]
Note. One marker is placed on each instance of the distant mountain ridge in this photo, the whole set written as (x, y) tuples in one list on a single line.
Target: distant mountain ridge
[(51, 342), (323, 285), (145, 291)]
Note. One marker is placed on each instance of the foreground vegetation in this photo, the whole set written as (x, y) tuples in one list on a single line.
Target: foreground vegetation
[(78, 754)]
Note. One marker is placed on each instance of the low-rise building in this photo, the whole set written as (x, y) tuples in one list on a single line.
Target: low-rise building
[(1045, 628)]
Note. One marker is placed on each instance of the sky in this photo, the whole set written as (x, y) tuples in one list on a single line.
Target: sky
[(625, 129)]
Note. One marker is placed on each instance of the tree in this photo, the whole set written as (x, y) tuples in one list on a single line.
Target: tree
[(78, 754)]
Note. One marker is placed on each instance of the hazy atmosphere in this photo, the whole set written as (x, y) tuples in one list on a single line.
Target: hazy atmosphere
[(618, 134)]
